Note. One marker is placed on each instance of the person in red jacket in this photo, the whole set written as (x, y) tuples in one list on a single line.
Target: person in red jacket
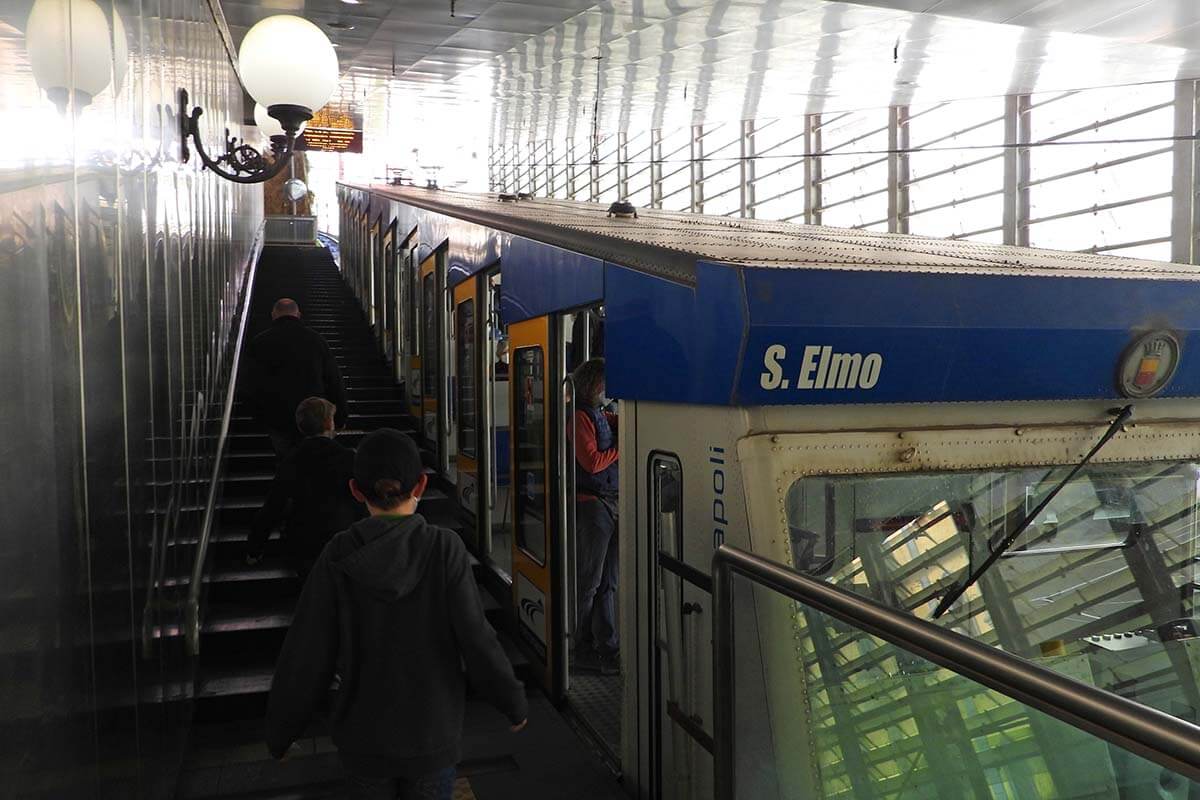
[(593, 432)]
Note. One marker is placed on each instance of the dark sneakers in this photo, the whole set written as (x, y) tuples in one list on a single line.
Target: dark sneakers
[(599, 662)]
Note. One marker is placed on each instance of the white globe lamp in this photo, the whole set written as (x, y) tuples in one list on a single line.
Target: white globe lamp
[(74, 52), (289, 66)]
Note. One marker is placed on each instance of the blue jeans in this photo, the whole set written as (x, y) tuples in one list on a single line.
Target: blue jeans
[(596, 573), (434, 786)]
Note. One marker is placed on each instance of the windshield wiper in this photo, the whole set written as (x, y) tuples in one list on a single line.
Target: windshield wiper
[(958, 588)]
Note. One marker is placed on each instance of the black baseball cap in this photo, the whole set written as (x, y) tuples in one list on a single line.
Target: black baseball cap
[(387, 454)]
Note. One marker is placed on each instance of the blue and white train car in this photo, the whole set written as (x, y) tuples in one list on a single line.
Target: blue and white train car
[(873, 409)]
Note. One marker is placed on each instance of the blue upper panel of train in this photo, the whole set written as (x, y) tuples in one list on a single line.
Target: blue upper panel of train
[(842, 317)]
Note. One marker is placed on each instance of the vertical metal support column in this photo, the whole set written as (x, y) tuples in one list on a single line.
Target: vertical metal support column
[(622, 165), (898, 169), (539, 169), (723, 677), (1195, 189), (812, 169), (1183, 175), (531, 170), (594, 174), (696, 169), (572, 168), (1011, 158), (748, 172), (1024, 138), (292, 176), (656, 155)]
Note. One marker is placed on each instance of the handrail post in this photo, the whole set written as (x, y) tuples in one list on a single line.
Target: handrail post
[(723, 677)]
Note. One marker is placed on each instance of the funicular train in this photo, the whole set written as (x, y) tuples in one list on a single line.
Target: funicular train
[(872, 409)]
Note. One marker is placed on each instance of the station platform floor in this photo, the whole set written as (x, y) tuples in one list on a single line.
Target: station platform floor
[(548, 760)]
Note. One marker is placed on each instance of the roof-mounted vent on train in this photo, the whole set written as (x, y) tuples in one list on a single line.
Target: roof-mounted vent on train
[(623, 210)]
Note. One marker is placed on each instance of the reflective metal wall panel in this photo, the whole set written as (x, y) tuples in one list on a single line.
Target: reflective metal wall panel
[(120, 268)]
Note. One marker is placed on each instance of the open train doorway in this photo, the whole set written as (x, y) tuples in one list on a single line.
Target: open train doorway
[(588, 507), (388, 309), (496, 502)]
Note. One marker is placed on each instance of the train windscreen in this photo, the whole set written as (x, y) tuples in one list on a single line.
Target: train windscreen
[(1101, 582)]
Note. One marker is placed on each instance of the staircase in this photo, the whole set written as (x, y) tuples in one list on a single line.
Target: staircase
[(248, 609)]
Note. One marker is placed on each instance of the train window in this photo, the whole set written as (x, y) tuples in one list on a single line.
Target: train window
[(410, 298), (465, 328), (667, 503), (530, 438), (1091, 561), (429, 339)]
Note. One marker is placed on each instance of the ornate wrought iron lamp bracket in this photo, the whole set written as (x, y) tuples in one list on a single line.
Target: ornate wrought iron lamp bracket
[(241, 163)]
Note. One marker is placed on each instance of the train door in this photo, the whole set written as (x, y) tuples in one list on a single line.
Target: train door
[(536, 569), (402, 319), (386, 306), (447, 410), (378, 283), (416, 331), (594, 686), (373, 258), (356, 262), (465, 419), (496, 503), (428, 347)]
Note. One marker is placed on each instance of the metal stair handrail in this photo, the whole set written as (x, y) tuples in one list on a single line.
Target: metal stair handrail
[(191, 621), (1157, 736)]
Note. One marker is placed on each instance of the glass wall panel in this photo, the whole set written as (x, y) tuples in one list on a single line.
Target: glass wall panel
[(956, 169), (854, 170), (1100, 169)]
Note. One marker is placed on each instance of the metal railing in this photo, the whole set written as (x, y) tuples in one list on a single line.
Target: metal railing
[(192, 611), (1159, 737)]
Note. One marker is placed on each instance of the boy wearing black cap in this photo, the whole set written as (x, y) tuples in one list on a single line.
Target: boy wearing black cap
[(392, 608)]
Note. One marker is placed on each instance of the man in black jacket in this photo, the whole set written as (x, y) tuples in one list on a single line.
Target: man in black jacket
[(392, 608), (287, 363), (310, 495)]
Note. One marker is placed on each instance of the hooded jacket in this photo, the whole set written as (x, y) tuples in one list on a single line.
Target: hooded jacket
[(288, 363), (311, 494), (392, 608)]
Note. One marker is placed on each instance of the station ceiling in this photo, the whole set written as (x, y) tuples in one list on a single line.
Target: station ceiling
[(539, 62)]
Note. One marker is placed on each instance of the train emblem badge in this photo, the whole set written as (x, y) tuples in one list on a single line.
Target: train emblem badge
[(1148, 365)]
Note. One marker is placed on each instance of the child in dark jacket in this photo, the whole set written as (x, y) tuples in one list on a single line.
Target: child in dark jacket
[(391, 606), (310, 494)]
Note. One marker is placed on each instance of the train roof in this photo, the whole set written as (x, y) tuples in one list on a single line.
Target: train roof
[(669, 244), (711, 310)]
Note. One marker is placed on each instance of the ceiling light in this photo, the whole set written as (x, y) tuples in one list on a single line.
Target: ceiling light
[(352, 2), (340, 26), (288, 65)]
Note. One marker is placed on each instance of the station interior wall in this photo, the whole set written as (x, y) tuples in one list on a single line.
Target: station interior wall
[(120, 272)]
